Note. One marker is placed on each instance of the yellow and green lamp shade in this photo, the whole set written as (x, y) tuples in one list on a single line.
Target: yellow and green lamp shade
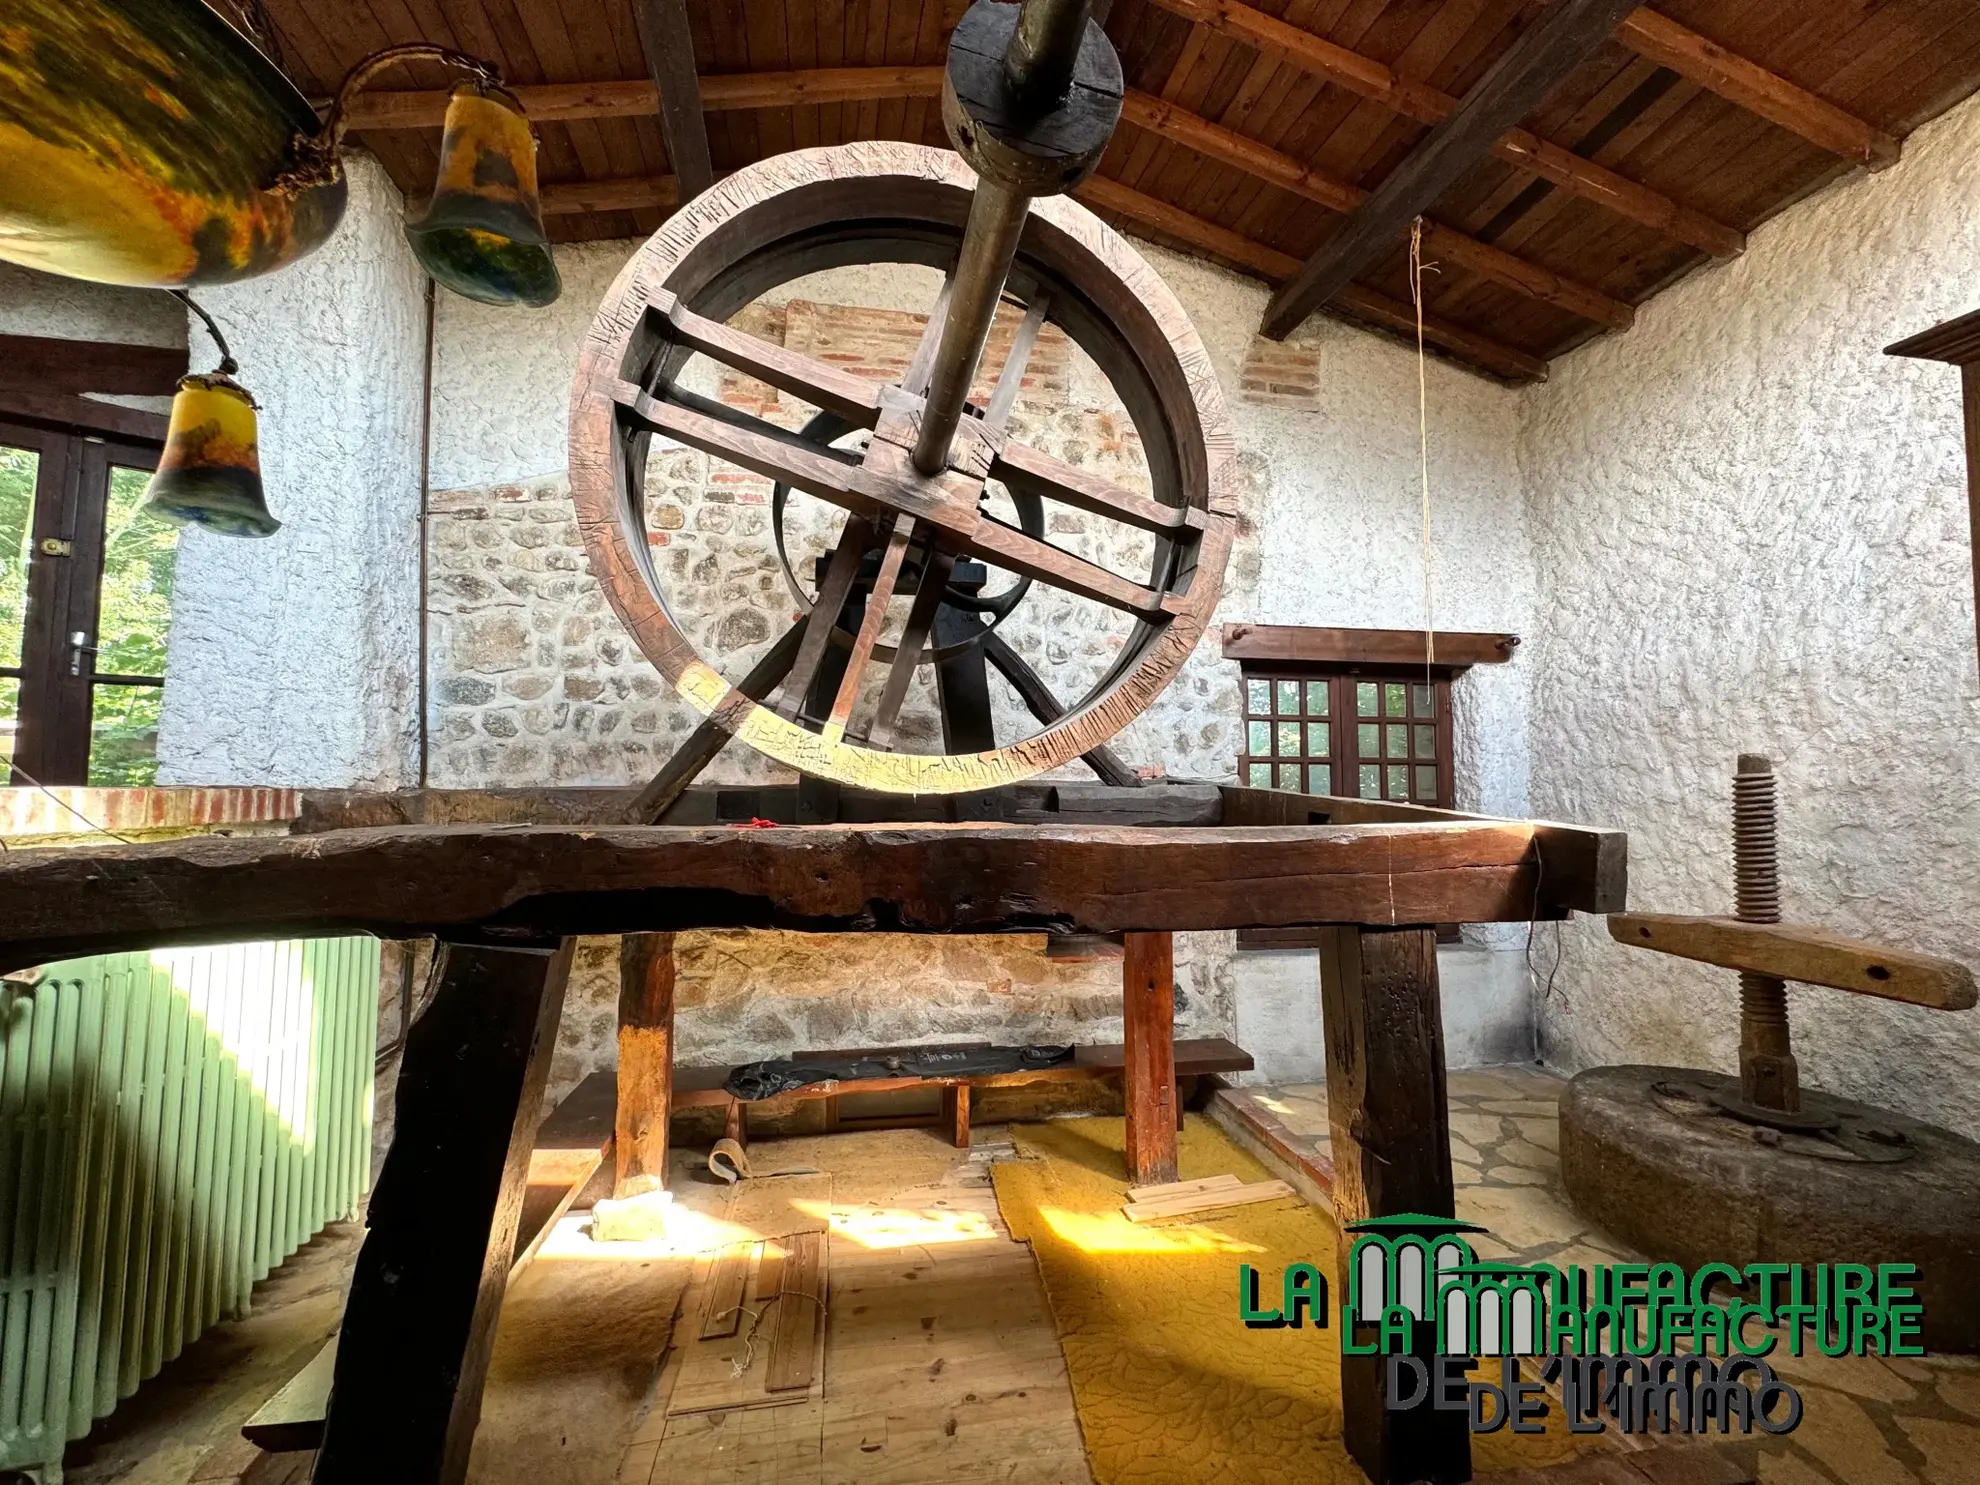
[(141, 142), (210, 472), (482, 235)]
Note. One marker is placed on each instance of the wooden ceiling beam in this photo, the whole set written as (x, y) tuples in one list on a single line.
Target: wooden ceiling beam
[(1428, 105), (1755, 89), (1564, 37), (1360, 305), (1452, 246), (668, 42), (635, 98)]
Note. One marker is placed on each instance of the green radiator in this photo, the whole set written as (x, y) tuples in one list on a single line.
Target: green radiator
[(173, 1125)]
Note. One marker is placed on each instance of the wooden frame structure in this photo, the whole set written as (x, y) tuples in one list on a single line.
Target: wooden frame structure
[(508, 897)]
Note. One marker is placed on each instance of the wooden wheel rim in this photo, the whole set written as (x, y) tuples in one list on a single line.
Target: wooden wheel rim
[(830, 201)]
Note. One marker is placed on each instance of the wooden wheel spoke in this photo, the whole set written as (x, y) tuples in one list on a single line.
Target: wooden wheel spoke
[(1022, 468), (1010, 548), (1010, 381), (936, 566), (748, 443), (889, 578), (921, 365), (857, 535), (851, 397)]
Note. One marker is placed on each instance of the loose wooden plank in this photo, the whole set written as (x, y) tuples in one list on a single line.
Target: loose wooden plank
[(800, 1311), (1184, 1188), (41, 405), (1754, 88), (1565, 35), (1206, 1201), (1810, 956), (419, 1324), (646, 1063), (722, 1309), (1304, 644), (405, 881), (1389, 1116), (665, 37), (1148, 1017)]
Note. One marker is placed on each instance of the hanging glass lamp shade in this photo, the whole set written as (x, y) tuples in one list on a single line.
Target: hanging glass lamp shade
[(145, 142), (482, 235), (210, 472)]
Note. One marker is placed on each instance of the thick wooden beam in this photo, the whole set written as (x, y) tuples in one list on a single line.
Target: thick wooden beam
[(1303, 644), (668, 42), (1148, 1030), (1757, 90), (1532, 67), (50, 364), (646, 1063), (1809, 956), (419, 1325), (1362, 306), (555, 880), (636, 98), (1228, 147), (1373, 80), (1389, 1114)]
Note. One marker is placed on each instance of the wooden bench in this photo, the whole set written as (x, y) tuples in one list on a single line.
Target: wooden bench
[(702, 1087)]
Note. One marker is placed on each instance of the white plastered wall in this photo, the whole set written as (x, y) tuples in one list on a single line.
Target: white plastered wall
[(1751, 533), (294, 659)]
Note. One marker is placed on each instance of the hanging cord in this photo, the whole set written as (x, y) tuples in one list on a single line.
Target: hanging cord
[(315, 156), (1417, 269), (228, 365), (1532, 920), (99, 829)]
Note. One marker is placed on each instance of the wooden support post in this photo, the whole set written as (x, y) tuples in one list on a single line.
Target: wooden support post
[(735, 1125), (1390, 1117), (646, 1063), (1148, 1031), (955, 1113), (419, 1325)]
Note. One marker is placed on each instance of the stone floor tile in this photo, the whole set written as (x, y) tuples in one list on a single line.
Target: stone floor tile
[(1951, 1450), (1789, 1467), (1479, 1129), (1959, 1390), (1860, 1376), (1508, 1174), (1837, 1431), (1521, 1108), (1546, 1133), (1530, 1155), (1526, 1217)]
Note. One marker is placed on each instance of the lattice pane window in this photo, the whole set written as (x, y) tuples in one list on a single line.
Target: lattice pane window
[(1335, 730)]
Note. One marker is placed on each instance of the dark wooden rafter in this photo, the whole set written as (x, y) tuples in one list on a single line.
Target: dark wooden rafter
[(1360, 305), (668, 41), (1508, 270), (1957, 343), (1300, 644), (1531, 68), (1430, 105), (77, 366), (1772, 97)]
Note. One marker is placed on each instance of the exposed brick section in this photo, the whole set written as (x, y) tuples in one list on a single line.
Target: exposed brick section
[(63, 815), (1279, 375)]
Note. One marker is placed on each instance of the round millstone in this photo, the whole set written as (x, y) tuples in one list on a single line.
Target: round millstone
[(1648, 1153)]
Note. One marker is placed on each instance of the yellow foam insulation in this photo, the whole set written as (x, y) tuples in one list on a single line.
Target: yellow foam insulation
[(1169, 1383)]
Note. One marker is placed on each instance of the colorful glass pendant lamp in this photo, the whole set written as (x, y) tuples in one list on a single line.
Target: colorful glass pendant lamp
[(210, 472), (148, 142)]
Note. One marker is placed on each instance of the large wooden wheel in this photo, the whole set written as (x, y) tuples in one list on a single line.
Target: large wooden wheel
[(816, 209)]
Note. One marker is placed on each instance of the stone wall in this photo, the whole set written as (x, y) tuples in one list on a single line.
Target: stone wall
[(534, 681), (1752, 533)]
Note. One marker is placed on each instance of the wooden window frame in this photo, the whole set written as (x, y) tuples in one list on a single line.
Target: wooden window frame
[(58, 679), (1340, 658)]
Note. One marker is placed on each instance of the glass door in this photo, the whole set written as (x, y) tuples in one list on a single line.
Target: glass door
[(85, 608)]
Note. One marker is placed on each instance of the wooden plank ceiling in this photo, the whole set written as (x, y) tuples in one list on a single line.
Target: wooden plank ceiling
[(1251, 130)]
